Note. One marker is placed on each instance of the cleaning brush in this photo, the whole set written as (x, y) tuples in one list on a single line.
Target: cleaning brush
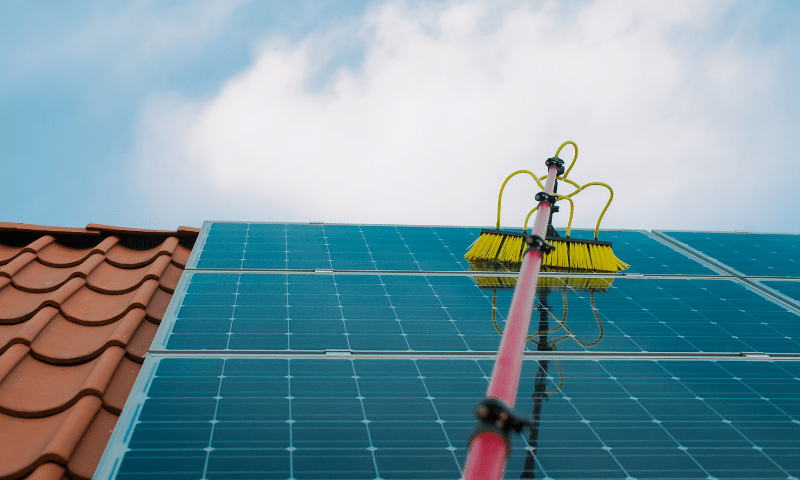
[(504, 247)]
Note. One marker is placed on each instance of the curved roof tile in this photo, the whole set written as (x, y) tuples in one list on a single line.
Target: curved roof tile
[(181, 256), (8, 253), (49, 471), (58, 255), (170, 277), (38, 277), (107, 278), (29, 442), (64, 342), (121, 383), (157, 306), (25, 332), (78, 311), (88, 307), (17, 305), (86, 456), (141, 341), (121, 256), (37, 389)]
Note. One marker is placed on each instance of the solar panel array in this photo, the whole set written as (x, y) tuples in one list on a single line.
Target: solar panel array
[(348, 351)]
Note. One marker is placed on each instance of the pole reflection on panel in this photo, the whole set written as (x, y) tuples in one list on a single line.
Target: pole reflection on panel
[(543, 341)]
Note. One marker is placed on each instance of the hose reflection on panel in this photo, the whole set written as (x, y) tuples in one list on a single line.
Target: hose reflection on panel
[(544, 343)]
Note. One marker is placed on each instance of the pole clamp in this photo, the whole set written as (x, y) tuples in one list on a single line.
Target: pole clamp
[(535, 242), (495, 416), (546, 197), (555, 162)]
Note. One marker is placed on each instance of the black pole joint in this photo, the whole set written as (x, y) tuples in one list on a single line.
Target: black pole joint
[(495, 416), (546, 197), (535, 242), (555, 162)]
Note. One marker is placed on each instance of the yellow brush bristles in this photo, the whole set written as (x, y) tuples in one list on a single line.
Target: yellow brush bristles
[(495, 247), (509, 249), (583, 256)]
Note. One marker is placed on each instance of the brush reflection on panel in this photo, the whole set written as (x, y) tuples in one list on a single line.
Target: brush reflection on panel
[(545, 287)]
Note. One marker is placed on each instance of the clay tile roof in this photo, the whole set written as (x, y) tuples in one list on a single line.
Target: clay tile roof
[(78, 311)]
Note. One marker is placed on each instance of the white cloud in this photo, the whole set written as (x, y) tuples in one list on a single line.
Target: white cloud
[(449, 98)]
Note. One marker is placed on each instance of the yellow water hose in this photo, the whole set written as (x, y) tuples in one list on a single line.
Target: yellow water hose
[(500, 197)]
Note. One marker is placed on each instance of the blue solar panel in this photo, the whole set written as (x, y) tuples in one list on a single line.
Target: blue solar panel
[(242, 246), (790, 289), (339, 247), (411, 418), (237, 384), (752, 254), (367, 312)]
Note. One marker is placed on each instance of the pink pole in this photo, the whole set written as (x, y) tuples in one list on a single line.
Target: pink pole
[(487, 454)]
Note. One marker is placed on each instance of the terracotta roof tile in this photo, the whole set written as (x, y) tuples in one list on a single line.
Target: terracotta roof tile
[(38, 277), (17, 305), (36, 389), (25, 332), (84, 460), (158, 305), (107, 278), (29, 442), (170, 277), (121, 383), (49, 471), (88, 307), (65, 342), (123, 257), (58, 255), (8, 253), (141, 341), (181, 256), (79, 309)]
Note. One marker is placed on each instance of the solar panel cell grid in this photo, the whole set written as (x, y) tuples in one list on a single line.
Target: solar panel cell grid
[(401, 248), (400, 418), (753, 254), (453, 313)]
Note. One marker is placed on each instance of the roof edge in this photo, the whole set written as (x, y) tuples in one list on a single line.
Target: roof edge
[(110, 229), (43, 229)]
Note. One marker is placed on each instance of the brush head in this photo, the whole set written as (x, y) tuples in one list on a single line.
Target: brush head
[(573, 254)]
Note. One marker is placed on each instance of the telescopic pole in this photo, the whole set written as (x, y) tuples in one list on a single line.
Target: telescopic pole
[(490, 444)]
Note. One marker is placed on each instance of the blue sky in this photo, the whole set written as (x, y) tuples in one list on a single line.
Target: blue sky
[(155, 115)]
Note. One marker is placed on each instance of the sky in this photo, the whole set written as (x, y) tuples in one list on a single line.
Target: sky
[(160, 114)]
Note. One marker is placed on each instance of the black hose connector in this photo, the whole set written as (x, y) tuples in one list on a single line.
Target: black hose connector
[(555, 162), (535, 242), (495, 416)]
